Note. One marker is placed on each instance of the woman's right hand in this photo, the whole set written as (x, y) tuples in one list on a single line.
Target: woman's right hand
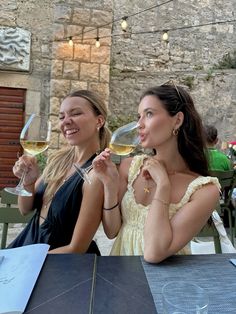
[(105, 169), (28, 164)]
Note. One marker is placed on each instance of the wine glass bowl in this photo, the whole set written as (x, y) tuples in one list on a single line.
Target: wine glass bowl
[(124, 139), (34, 138), (123, 142)]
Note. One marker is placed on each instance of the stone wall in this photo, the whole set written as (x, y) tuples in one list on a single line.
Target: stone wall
[(81, 65), (35, 17), (56, 68), (188, 58)]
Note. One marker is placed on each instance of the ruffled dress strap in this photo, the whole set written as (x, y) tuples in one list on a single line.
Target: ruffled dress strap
[(195, 185), (199, 182), (134, 170)]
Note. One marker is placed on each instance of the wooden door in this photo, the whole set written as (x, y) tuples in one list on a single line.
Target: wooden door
[(12, 106)]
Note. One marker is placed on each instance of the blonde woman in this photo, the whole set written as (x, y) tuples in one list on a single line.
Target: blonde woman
[(68, 209)]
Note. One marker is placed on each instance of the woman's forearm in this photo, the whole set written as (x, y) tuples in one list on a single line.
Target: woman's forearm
[(25, 203), (111, 217), (157, 231)]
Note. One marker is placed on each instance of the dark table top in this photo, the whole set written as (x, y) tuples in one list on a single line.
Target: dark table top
[(214, 273), (74, 283)]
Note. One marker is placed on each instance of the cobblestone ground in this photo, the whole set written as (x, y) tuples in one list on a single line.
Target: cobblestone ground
[(103, 242)]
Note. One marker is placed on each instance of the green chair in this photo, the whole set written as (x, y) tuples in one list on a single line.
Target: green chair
[(211, 231), (9, 213), (227, 181)]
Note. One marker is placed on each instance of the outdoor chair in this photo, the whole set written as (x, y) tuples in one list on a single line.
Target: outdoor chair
[(227, 181), (9, 213), (209, 230)]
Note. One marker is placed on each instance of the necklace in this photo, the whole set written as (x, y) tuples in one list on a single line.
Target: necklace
[(147, 187)]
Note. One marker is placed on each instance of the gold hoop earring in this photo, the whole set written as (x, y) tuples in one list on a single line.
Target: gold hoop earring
[(175, 132)]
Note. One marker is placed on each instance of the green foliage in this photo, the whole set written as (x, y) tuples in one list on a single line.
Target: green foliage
[(209, 75), (227, 62), (198, 67), (42, 160), (188, 81)]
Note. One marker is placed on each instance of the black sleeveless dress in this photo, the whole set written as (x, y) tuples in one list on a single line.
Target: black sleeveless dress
[(58, 227)]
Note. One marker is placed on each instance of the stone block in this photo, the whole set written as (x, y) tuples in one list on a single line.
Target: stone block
[(101, 88), (82, 52), (75, 85), (75, 31), (62, 51), (101, 17), (59, 88), (62, 13), (89, 71), (81, 16), (104, 73), (101, 54), (33, 99), (55, 124), (71, 70), (54, 105), (58, 31), (56, 68), (7, 18), (54, 141), (89, 35)]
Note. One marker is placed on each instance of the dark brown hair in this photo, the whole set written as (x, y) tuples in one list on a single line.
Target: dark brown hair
[(210, 133), (191, 140)]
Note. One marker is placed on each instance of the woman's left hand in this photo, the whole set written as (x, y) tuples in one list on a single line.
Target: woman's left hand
[(156, 170)]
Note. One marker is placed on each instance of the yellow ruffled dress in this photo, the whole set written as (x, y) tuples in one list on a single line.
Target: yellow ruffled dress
[(129, 240)]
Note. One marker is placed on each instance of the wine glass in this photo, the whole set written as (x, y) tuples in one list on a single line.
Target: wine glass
[(34, 138), (123, 142), (125, 139), (184, 298)]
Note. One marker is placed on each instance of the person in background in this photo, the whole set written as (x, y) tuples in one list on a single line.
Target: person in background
[(216, 159), (155, 205), (68, 210)]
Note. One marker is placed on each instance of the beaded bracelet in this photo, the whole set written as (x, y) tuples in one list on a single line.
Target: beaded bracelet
[(111, 207), (161, 201)]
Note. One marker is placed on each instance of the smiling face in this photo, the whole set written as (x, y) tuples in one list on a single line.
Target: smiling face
[(78, 122), (156, 125)]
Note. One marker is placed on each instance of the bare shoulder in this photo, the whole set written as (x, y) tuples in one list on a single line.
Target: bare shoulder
[(207, 191)]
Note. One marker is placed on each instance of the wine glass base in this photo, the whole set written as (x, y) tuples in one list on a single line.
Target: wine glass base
[(18, 191)]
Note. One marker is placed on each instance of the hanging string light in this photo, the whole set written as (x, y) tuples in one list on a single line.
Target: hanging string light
[(124, 23), (97, 43), (70, 41), (165, 36)]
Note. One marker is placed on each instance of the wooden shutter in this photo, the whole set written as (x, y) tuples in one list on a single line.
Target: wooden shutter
[(12, 105)]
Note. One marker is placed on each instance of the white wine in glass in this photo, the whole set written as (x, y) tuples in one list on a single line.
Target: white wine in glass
[(124, 140), (34, 139)]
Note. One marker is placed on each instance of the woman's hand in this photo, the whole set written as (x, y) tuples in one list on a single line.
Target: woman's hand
[(104, 168), (156, 170), (28, 164)]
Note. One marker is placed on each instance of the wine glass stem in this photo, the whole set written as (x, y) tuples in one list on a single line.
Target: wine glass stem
[(20, 185)]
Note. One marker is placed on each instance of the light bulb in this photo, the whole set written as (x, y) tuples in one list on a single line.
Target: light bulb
[(165, 36), (124, 23), (97, 43), (70, 42)]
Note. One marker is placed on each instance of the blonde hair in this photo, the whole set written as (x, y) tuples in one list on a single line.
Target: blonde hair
[(59, 162)]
